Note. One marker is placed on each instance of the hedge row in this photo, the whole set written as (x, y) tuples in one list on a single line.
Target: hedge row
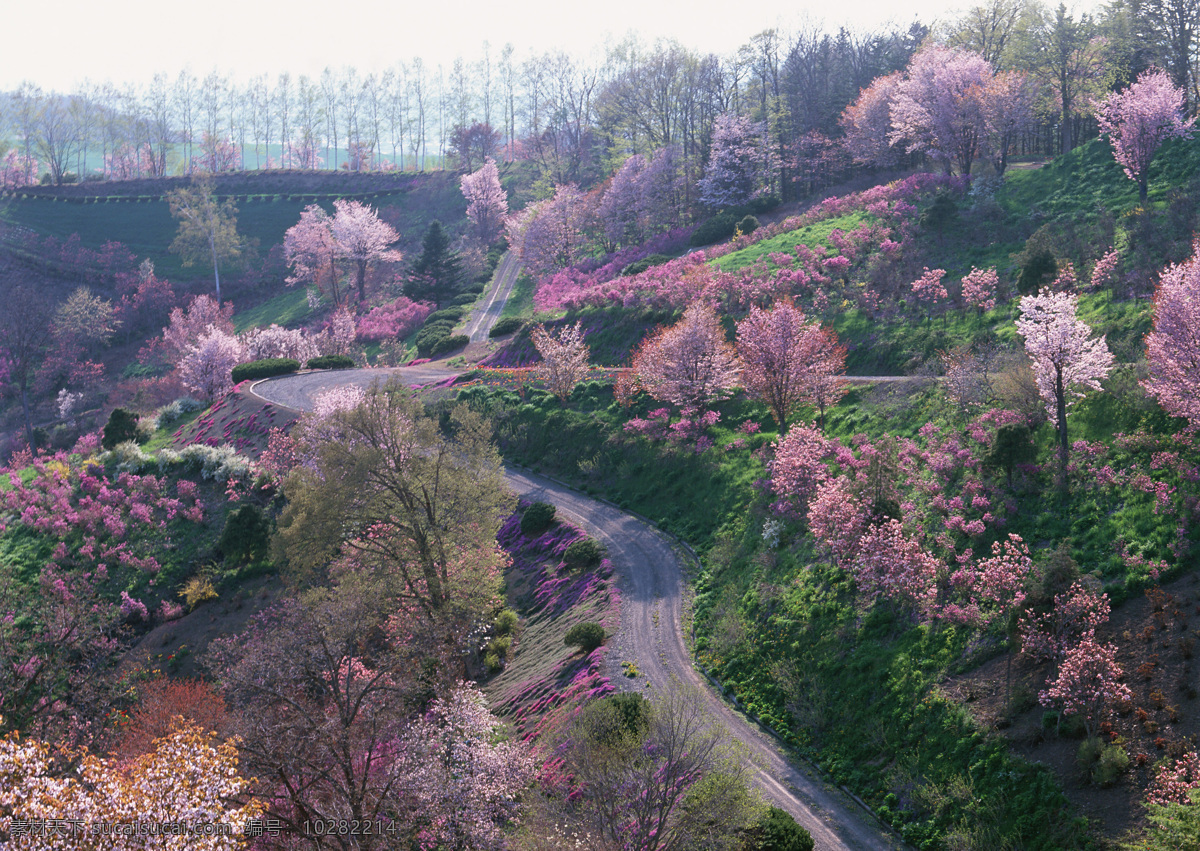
[(264, 368)]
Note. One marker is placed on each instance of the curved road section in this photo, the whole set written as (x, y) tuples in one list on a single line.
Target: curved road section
[(650, 635)]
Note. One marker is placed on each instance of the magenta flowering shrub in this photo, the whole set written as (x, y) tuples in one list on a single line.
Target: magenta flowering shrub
[(532, 706), (97, 520), (397, 319)]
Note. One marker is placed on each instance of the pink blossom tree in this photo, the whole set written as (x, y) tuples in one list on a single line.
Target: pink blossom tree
[(690, 363), (188, 326), (551, 233), (938, 107), (1088, 683), (738, 163), (1105, 270), (362, 238), (867, 123), (837, 518), (1064, 357), (310, 249), (995, 587), (783, 357), (1174, 782), (487, 202), (207, 367), (1138, 120), (1008, 101), (464, 782), (824, 383), (1077, 614), (800, 464), (891, 564), (619, 209), (979, 288), (1173, 346), (929, 288), (564, 358)]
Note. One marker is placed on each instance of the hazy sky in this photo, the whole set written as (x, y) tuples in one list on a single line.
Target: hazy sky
[(58, 45)]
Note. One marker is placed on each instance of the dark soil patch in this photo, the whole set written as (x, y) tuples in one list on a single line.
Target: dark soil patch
[(1156, 636)]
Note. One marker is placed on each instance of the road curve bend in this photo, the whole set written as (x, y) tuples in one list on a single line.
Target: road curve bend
[(650, 635)]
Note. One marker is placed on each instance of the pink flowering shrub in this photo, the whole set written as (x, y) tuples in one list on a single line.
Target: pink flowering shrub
[(390, 321), (98, 520)]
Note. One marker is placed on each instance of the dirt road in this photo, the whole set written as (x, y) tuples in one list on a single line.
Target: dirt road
[(485, 315), (652, 594)]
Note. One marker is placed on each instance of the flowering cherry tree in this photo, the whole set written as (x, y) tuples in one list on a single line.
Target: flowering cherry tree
[(362, 238), (1077, 614), (189, 779), (867, 123), (187, 327), (1173, 347), (690, 363), (1064, 356), (487, 202), (799, 467), (465, 784), (738, 163), (837, 518), (938, 106), (995, 586), (1138, 120), (1105, 270), (1088, 683), (786, 360), (208, 366), (564, 358), (892, 564), (929, 287), (979, 288), (310, 249)]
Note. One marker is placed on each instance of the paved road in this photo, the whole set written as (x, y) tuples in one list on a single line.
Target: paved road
[(652, 595), (485, 315)]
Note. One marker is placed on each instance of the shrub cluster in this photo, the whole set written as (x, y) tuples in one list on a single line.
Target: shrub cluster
[(449, 344), (122, 426), (264, 368), (331, 362), (168, 414), (584, 553), (506, 326), (537, 518), (587, 636)]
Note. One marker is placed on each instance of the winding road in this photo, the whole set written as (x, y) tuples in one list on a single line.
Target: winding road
[(652, 593)]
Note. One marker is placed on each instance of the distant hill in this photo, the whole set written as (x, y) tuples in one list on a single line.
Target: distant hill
[(132, 211)]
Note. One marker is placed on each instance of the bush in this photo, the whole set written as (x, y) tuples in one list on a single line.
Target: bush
[(198, 590), (776, 830), (128, 457), (264, 368), (717, 229), (246, 535), (168, 414), (120, 428), (331, 362), (506, 326), (537, 518), (1111, 766), (445, 314), (639, 266), (748, 224), (464, 299), (431, 335), (587, 636), (506, 622), (584, 553), (476, 288), (449, 344)]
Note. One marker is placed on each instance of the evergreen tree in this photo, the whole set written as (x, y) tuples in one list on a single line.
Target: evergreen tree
[(435, 275)]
